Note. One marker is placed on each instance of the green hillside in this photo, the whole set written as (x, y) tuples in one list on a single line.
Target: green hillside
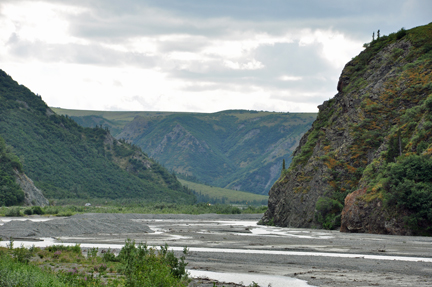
[(235, 149), (115, 121), (10, 192), (66, 160), (215, 194)]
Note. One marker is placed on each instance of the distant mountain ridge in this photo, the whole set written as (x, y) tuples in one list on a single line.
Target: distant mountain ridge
[(66, 160), (235, 149)]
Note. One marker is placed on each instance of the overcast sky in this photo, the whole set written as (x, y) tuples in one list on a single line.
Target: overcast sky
[(191, 55)]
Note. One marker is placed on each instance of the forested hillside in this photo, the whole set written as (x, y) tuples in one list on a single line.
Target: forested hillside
[(366, 162), (10, 191), (66, 160), (234, 149)]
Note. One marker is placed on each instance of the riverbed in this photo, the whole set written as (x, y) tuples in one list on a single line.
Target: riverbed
[(235, 248)]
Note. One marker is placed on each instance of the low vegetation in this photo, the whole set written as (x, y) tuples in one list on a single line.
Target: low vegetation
[(59, 265), (154, 208), (218, 195)]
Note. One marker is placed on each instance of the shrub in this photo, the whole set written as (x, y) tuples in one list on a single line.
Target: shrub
[(328, 212), (143, 266), (401, 33), (22, 254), (428, 103), (109, 256), (28, 211), (75, 249), (37, 210), (51, 210), (14, 211), (14, 273), (410, 188)]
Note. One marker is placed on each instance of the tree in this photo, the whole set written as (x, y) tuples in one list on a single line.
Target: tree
[(378, 34), (283, 164), (394, 147)]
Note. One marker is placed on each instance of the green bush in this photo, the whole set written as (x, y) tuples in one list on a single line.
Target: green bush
[(109, 256), (410, 188), (37, 210), (14, 211), (22, 254), (75, 249), (143, 266), (401, 33), (328, 212), (28, 211), (14, 273), (51, 210), (428, 103)]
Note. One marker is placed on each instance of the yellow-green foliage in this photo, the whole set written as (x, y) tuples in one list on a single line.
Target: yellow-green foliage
[(231, 196)]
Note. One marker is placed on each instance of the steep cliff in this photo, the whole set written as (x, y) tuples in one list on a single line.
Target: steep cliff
[(373, 140)]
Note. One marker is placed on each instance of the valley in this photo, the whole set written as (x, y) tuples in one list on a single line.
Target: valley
[(236, 149)]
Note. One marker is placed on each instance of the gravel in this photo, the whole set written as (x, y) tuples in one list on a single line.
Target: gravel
[(99, 224), (80, 224)]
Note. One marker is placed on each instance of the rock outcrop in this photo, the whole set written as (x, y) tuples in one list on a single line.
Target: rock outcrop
[(359, 216), (32, 195), (380, 115)]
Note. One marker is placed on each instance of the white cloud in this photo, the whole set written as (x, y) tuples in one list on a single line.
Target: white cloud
[(290, 78), (145, 55)]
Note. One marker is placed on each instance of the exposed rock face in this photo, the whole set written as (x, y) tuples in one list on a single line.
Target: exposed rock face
[(380, 93), (33, 196), (362, 217)]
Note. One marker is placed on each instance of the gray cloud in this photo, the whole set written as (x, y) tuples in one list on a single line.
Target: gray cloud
[(192, 26), (279, 59)]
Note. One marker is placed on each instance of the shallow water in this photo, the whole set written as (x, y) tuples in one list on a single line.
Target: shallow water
[(247, 279), (52, 241), (228, 237)]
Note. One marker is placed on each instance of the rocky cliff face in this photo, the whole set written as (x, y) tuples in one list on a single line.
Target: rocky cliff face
[(379, 119), (32, 195)]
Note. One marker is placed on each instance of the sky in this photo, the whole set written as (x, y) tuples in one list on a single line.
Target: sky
[(192, 55)]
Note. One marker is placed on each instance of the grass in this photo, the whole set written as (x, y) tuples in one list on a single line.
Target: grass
[(58, 265), (231, 196), (134, 207)]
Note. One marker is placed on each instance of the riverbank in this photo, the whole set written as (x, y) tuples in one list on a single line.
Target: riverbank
[(234, 244)]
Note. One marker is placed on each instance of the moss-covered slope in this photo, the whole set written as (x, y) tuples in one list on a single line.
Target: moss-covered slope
[(375, 135), (66, 160)]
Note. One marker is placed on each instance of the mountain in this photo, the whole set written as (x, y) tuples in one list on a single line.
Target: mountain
[(235, 149), (66, 160), (15, 186), (11, 193), (365, 164)]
